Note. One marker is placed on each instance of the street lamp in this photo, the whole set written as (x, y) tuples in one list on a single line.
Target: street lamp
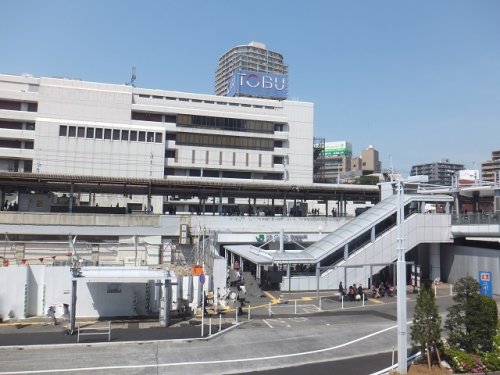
[(401, 281)]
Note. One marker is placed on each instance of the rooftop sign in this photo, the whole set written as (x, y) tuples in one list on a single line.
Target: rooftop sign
[(258, 84)]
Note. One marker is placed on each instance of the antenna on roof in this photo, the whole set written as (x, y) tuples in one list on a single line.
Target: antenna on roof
[(132, 79)]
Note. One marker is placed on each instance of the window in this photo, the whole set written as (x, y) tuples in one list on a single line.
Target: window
[(142, 136), (278, 144), (30, 126), (158, 137), (116, 134), (98, 133), (193, 156), (81, 132), (260, 160), (133, 135), (277, 159), (124, 135), (63, 130), (170, 118), (170, 154), (207, 157), (28, 145), (72, 131), (107, 133), (32, 107), (151, 137), (170, 136), (90, 132)]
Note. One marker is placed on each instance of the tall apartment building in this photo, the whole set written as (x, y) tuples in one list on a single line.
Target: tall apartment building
[(439, 173), (491, 167), (73, 127), (253, 56)]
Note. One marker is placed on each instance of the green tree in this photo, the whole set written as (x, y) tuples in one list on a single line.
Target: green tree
[(471, 321), (426, 328)]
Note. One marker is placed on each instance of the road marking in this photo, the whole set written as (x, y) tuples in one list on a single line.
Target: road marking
[(265, 321), (222, 361), (271, 297), (375, 300)]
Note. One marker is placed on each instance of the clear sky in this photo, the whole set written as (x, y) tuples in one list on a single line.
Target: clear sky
[(418, 80)]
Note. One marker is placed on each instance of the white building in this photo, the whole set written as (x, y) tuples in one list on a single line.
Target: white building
[(73, 127)]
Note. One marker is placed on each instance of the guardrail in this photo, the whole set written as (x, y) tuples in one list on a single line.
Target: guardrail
[(91, 331), (476, 218)]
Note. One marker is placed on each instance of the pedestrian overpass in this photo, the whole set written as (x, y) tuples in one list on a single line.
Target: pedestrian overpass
[(364, 245)]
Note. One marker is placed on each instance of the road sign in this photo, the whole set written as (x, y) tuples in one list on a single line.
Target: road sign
[(485, 287), (202, 279)]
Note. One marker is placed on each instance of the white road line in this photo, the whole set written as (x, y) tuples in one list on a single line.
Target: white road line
[(265, 321), (232, 360)]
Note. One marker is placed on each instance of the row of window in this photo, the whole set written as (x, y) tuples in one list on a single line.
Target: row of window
[(174, 154), (16, 125), (224, 141), (13, 143), (203, 101), (223, 174), (15, 105), (111, 134), (231, 124)]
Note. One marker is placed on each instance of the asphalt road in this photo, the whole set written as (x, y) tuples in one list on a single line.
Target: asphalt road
[(354, 340)]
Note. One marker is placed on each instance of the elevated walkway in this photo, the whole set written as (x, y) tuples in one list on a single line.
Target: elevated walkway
[(369, 239)]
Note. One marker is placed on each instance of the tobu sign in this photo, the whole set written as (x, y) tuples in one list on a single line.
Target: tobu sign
[(260, 84)]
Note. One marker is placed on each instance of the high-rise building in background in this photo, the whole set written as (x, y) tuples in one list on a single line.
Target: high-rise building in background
[(491, 167), (251, 59), (337, 160), (440, 173)]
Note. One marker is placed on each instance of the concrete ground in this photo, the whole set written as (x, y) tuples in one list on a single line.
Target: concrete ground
[(289, 334)]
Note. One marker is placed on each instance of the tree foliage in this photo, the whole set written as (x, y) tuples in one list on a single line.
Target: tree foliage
[(426, 328), (472, 320)]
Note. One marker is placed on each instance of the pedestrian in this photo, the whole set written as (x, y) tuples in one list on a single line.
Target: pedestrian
[(52, 314), (341, 290)]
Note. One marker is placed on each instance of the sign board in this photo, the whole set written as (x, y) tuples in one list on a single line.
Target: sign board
[(258, 84), (202, 279), (485, 285), (339, 148)]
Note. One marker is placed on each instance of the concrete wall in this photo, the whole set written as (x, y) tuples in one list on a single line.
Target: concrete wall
[(13, 281), (459, 261), (47, 285)]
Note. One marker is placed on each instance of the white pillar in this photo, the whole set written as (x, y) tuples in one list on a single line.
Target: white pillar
[(434, 261)]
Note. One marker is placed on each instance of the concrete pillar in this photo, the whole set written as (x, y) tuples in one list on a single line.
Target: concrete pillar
[(72, 311), (326, 207), (95, 254), (435, 261), (282, 240)]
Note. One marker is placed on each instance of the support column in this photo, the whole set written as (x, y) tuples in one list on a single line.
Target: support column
[(149, 209), (71, 191), (165, 303), (326, 208), (372, 234), (72, 311), (435, 261)]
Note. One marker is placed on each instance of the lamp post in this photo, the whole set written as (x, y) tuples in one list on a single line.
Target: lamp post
[(401, 282)]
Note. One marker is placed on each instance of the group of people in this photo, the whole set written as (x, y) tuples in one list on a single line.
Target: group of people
[(353, 292), (383, 290), (356, 292)]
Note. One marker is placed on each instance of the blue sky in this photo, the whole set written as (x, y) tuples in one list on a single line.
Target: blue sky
[(418, 80)]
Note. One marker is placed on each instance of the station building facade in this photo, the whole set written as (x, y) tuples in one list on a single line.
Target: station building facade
[(74, 127)]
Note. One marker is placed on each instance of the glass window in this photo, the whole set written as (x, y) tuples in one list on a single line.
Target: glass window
[(107, 133), (151, 137), (90, 132), (158, 137), (98, 133), (124, 135), (133, 135), (72, 131), (142, 136), (30, 126), (63, 130), (81, 132), (116, 134)]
